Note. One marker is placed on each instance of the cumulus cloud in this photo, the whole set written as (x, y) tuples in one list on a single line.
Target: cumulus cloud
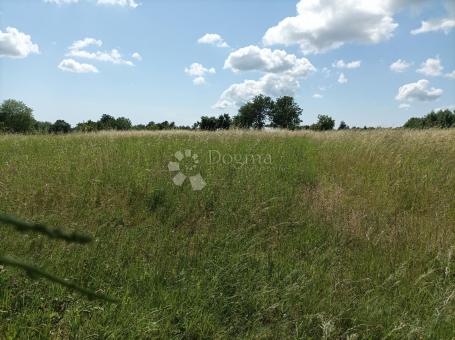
[(419, 91), (318, 96), (400, 66), (431, 67), (341, 64), (199, 72), (213, 39), (323, 25), (342, 79), (253, 58), (282, 76), (451, 75), (273, 85), (15, 44), (71, 65), (445, 25), (122, 3), (439, 25), (78, 50), (136, 56)]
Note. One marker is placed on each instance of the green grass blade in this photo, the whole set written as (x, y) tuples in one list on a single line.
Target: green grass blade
[(53, 233), (36, 272)]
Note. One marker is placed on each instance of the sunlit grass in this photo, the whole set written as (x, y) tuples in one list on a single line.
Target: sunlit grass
[(342, 234)]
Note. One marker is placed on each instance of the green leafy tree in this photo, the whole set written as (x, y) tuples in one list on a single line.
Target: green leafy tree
[(123, 124), (16, 117), (106, 122), (139, 127), (223, 122), (60, 126), (414, 123), (166, 125), (285, 113), (254, 113), (343, 126), (42, 127), (161, 126), (442, 119), (89, 126), (324, 123), (208, 123), (151, 126)]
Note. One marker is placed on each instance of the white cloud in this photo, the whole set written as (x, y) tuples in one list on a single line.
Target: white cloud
[(439, 25), (318, 96), (273, 85), (62, 2), (404, 106), (282, 74), (80, 44), (199, 81), (71, 65), (136, 56), (323, 25), (198, 72), (278, 61), (431, 67), (76, 50), (342, 79), (451, 75), (213, 39), (445, 25), (400, 66), (349, 65), (15, 44), (418, 91), (122, 3)]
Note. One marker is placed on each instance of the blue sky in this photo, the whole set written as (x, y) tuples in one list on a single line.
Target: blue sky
[(58, 57)]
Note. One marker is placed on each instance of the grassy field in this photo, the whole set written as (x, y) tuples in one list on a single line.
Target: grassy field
[(310, 235)]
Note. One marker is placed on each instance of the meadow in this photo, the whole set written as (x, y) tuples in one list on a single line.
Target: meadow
[(328, 235)]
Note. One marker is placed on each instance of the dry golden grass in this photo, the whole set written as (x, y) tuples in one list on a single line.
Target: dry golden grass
[(397, 186)]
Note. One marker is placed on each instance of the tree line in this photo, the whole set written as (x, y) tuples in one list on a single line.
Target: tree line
[(260, 112), (442, 119)]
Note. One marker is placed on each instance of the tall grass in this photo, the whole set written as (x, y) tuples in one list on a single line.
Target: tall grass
[(343, 235)]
